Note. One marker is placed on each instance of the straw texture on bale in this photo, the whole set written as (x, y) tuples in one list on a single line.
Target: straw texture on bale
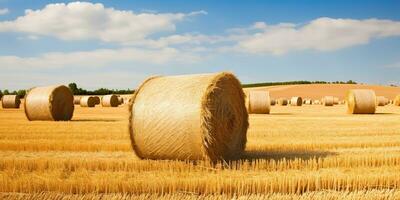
[(296, 101), (328, 100), (282, 102), (52, 103), (109, 101), (335, 101), (88, 101), (96, 100), (361, 101), (189, 117), (259, 102), (10, 101), (397, 100), (120, 100), (382, 101), (77, 100)]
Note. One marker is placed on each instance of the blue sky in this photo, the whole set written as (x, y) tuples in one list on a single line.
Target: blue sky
[(117, 44)]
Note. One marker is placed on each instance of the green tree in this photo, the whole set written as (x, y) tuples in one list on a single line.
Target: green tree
[(74, 88), (6, 92)]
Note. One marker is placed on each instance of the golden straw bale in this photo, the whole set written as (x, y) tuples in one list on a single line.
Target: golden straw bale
[(88, 101), (296, 101), (317, 102), (77, 100), (120, 100), (308, 101), (273, 102), (189, 117), (52, 103), (110, 101), (381, 101), (10, 101), (361, 101), (282, 102), (397, 100), (328, 100), (259, 102), (96, 100), (335, 100)]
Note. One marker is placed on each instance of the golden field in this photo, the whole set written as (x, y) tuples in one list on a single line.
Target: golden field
[(308, 152)]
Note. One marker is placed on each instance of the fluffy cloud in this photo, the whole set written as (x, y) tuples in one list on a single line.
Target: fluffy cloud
[(97, 58), (4, 11), (84, 20), (323, 34)]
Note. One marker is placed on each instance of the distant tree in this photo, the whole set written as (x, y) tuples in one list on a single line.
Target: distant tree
[(6, 92), (21, 93), (351, 82), (74, 88), (1, 94)]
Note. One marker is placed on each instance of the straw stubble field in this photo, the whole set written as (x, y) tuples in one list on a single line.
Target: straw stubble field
[(309, 152)]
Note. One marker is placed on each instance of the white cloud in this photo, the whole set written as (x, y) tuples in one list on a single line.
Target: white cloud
[(84, 21), (323, 34), (4, 11), (97, 58)]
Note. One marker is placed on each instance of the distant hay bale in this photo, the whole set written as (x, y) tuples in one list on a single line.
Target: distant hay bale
[(10, 101), (120, 100), (96, 100), (88, 101), (382, 101), (335, 100), (361, 101), (273, 102), (397, 100), (316, 102), (308, 101), (109, 101), (296, 101), (189, 117), (282, 102), (52, 103), (328, 100), (77, 100), (259, 102)]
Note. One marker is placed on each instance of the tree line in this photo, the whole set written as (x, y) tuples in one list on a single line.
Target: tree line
[(296, 83)]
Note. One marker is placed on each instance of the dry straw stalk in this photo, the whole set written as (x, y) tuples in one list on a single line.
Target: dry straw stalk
[(361, 101), (10, 101), (189, 117), (52, 103), (259, 102)]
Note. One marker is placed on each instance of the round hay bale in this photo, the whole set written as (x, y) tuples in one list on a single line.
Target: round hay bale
[(282, 102), (110, 101), (308, 101), (88, 101), (335, 100), (120, 100), (382, 101), (328, 101), (52, 103), (77, 100), (296, 101), (10, 101), (189, 117), (396, 100), (96, 100), (259, 102), (361, 101), (273, 102), (316, 102)]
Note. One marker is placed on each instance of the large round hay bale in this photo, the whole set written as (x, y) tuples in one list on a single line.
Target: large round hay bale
[(259, 102), (96, 100), (296, 101), (282, 102), (110, 101), (382, 101), (328, 100), (120, 100), (361, 101), (189, 117), (88, 101), (396, 101), (77, 100), (53, 103), (10, 101)]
